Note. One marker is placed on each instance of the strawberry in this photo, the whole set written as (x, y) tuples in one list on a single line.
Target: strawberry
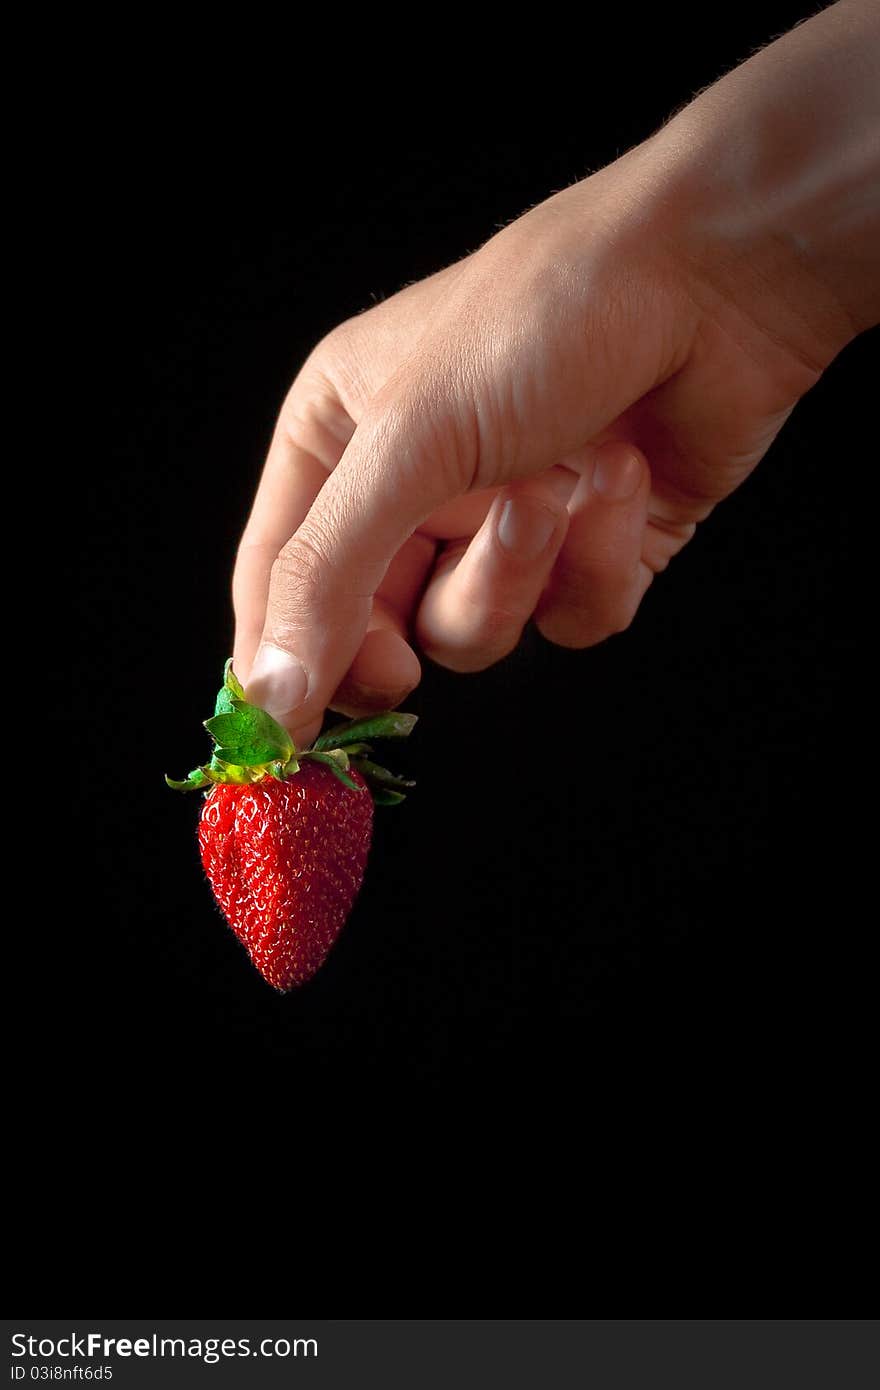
[(284, 835)]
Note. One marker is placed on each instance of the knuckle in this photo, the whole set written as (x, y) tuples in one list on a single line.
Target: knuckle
[(624, 613), (498, 628), (584, 618), (465, 660), (475, 642), (492, 621), (565, 627), (330, 350), (299, 566), (316, 422), (419, 423)]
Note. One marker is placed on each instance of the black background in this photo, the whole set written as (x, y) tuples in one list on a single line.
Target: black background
[(622, 867)]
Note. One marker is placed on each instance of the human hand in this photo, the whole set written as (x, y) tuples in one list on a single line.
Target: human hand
[(534, 431)]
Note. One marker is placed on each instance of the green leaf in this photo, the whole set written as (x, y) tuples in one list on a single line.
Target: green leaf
[(383, 797), (250, 744), (388, 724), (231, 691), (374, 773), (219, 771), (231, 681), (339, 756), (249, 737), (335, 767), (192, 783)]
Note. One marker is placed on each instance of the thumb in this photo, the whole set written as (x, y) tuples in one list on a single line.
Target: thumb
[(401, 464)]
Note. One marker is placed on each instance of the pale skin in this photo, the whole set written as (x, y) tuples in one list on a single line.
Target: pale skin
[(537, 430)]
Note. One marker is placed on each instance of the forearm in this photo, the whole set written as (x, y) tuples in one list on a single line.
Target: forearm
[(777, 167)]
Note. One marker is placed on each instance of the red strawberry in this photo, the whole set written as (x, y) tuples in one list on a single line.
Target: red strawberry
[(284, 836), (286, 861)]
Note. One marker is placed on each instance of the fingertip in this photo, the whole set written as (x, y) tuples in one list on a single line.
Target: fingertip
[(526, 526), (304, 736), (278, 683), (619, 471), (595, 588), (382, 674)]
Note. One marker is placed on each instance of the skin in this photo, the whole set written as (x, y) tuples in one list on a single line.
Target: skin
[(535, 431)]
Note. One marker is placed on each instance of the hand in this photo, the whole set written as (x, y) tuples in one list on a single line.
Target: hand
[(535, 430)]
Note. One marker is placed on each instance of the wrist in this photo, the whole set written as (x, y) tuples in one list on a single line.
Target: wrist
[(768, 184)]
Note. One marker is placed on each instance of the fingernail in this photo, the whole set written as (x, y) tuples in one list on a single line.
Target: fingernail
[(617, 476), (525, 527), (278, 681)]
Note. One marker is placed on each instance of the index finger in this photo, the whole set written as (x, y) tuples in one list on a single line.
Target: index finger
[(308, 442)]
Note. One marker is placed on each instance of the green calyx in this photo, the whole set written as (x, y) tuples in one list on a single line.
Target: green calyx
[(251, 746)]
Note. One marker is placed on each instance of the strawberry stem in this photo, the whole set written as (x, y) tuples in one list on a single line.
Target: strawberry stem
[(250, 746)]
